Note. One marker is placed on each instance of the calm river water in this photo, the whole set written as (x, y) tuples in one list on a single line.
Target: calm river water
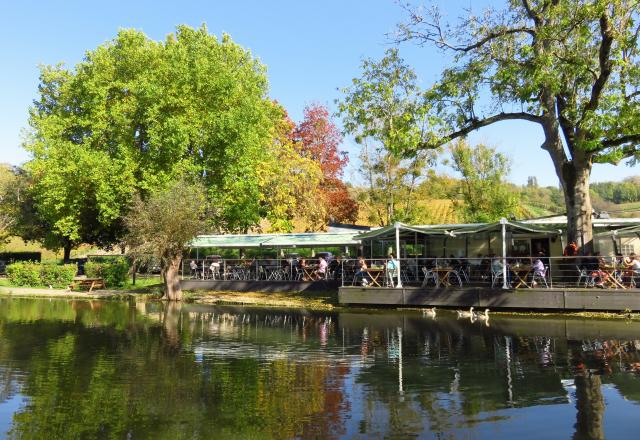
[(81, 369)]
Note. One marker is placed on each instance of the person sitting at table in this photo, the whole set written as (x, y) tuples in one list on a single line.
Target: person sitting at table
[(335, 268), (194, 269), (321, 271), (633, 268), (302, 265), (497, 268), (598, 276), (362, 274), (215, 269), (538, 268)]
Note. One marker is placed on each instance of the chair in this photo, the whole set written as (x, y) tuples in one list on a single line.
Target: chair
[(429, 275), (583, 273), (496, 276), (454, 275), (541, 277)]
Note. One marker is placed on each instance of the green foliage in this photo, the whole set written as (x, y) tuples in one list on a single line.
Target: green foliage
[(114, 272), (571, 67), (618, 192), (31, 274), (163, 225), (383, 109), (56, 275), (134, 115), (485, 195), (24, 274), (8, 203)]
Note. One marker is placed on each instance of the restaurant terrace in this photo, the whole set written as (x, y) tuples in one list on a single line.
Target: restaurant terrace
[(505, 255)]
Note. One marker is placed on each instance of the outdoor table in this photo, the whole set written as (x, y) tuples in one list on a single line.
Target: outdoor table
[(612, 280), (374, 274), (308, 273), (443, 275), (521, 273)]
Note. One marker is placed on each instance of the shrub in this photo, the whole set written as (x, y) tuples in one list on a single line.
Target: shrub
[(32, 274), (24, 274), (113, 272), (57, 276)]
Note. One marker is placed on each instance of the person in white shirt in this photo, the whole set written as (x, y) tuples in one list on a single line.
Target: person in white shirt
[(321, 271)]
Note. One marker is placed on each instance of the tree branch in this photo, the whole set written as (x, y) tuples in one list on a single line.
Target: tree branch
[(635, 138), (605, 64), (479, 123)]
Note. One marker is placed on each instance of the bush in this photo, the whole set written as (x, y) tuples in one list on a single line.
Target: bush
[(24, 274), (31, 274), (113, 272), (57, 276)]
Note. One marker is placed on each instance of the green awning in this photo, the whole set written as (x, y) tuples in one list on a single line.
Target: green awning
[(312, 239), (510, 225), (629, 231), (389, 230)]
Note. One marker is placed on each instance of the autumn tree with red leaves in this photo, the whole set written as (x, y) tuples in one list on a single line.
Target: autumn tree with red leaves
[(318, 138)]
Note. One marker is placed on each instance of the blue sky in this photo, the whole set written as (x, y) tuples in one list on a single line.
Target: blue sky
[(310, 48)]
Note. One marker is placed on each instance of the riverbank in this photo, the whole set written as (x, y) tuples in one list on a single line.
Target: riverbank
[(308, 300)]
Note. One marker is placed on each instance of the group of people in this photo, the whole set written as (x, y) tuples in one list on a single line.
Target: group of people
[(626, 269)]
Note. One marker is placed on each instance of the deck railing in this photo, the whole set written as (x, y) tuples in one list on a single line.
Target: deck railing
[(521, 272)]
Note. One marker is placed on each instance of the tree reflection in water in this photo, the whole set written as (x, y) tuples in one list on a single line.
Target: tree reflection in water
[(98, 369)]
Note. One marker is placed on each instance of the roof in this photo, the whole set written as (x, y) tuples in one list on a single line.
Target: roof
[(561, 220), (307, 239), (456, 230), (622, 232)]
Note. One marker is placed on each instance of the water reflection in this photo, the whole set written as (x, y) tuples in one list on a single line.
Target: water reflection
[(99, 369)]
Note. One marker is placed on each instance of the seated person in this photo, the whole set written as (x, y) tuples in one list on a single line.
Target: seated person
[(498, 268), (598, 276), (335, 267), (361, 272), (538, 267), (633, 268), (194, 269), (321, 271)]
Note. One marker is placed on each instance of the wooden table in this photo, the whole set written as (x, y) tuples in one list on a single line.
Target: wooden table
[(91, 283), (443, 275), (611, 277), (309, 273), (374, 274), (521, 273)]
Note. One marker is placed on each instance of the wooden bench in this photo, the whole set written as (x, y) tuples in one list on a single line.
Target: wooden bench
[(91, 283)]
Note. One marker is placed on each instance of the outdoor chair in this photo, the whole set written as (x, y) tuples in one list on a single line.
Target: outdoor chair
[(496, 277), (454, 277), (429, 275), (584, 274)]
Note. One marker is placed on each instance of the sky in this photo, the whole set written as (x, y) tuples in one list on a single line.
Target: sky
[(311, 50)]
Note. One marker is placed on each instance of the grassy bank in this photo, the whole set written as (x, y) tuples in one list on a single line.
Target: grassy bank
[(309, 300)]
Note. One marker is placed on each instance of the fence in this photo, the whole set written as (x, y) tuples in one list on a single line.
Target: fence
[(521, 272)]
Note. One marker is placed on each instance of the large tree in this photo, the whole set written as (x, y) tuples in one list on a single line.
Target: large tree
[(383, 110), (318, 138), (136, 114), (162, 226), (482, 195), (569, 66)]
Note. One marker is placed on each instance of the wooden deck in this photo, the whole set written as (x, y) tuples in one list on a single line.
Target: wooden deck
[(495, 299)]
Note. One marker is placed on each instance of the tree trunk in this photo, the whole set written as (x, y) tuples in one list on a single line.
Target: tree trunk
[(67, 253), (575, 183), (171, 278), (590, 407)]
